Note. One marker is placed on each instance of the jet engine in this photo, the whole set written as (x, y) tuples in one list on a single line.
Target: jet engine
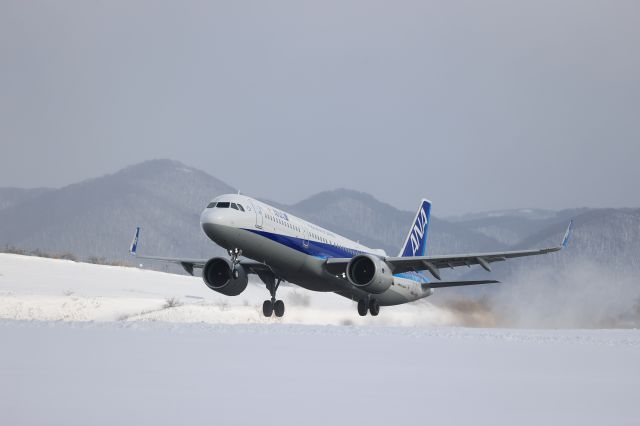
[(369, 273), (217, 275)]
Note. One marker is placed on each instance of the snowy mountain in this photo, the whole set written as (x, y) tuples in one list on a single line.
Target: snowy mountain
[(96, 218), (510, 227)]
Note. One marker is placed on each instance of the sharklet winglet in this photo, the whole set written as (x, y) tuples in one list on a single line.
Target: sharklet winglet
[(567, 235)]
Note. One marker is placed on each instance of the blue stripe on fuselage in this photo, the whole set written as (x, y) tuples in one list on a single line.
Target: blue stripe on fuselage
[(312, 248), (326, 251)]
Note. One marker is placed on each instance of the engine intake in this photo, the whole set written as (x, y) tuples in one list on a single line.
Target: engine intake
[(369, 273), (217, 276)]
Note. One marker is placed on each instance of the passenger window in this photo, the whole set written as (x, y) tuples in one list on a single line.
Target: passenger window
[(233, 206), (211, 205), (224, 205)]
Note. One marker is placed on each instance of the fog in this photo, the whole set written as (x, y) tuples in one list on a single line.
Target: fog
[(580, 295)]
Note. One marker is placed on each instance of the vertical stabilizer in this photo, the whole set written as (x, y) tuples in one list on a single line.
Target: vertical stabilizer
[(415, 244), (134, 244)]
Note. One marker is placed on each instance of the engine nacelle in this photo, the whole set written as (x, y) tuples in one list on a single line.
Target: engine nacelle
[(369, 273), (217, 276)]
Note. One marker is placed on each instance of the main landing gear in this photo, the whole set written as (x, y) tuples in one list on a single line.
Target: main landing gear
[(234, 254), (370, 305), (272, 306)]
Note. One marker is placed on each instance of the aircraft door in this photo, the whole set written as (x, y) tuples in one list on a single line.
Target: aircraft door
[(305, 238), (259, 215)]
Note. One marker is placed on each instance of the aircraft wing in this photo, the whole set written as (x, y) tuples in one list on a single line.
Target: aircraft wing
[(433, 264), (189, 264)]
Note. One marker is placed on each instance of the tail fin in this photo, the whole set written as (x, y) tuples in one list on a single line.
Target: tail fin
[(416, 242), (134, 244)]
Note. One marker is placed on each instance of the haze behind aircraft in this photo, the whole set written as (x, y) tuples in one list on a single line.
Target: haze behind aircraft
[(277, 246)]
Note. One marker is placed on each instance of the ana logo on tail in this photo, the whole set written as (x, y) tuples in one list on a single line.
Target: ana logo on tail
[(415, 244), (134, 244), (418, 231)]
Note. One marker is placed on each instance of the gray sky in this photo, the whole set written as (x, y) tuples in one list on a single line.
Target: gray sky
[(476, 105)]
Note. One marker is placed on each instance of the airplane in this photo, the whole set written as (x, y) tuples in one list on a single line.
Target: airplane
[(277, 246)]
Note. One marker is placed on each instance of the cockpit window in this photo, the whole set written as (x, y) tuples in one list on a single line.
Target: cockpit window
[(211, 205), (240, 207), (233, 206), (223, 205)]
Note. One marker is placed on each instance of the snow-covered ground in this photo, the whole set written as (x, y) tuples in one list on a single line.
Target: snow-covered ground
[(93, 356), (52, 290)]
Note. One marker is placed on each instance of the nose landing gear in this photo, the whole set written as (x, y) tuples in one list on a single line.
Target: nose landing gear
[(234, 254), (273, 306)]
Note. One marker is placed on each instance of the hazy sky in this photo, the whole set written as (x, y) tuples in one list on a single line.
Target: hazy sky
[(476, 105)]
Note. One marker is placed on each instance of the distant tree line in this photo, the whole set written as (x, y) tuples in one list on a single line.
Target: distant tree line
[(63, 256)]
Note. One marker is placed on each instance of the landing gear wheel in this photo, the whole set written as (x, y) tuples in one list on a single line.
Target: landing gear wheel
[(278, 308), (374, 307), (362, 307), (267, 308)]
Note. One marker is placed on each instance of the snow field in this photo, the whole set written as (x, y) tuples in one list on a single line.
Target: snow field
[(96, 345)]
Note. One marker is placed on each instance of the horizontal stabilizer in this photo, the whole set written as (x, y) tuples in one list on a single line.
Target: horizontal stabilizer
[(440, 284)]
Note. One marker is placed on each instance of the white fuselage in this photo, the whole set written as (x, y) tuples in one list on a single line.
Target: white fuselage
[(295, 249)]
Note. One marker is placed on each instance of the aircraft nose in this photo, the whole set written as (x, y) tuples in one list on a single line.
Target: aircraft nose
[(214, 224), (209, 217)]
